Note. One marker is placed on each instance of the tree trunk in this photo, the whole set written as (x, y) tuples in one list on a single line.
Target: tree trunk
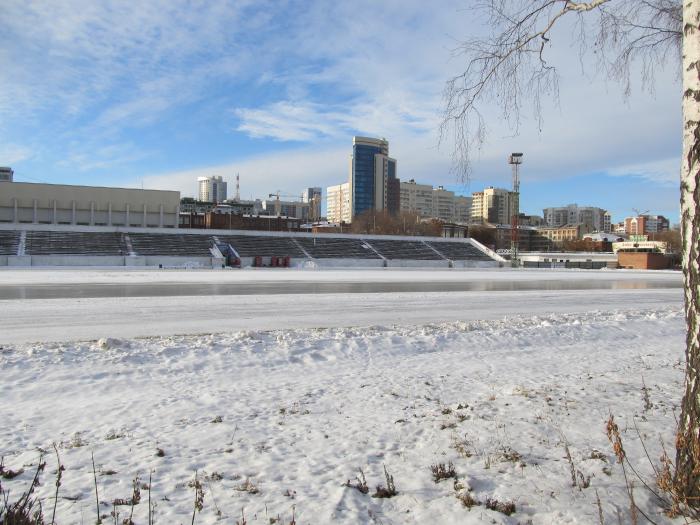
[(687, 474)]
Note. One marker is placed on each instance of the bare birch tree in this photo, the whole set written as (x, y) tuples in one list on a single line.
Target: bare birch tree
[(511, 67)]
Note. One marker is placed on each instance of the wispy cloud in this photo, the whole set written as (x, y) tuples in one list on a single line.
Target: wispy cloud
[(663, 171), (285, 120), (67, 57), (82, 157), (12, 153)]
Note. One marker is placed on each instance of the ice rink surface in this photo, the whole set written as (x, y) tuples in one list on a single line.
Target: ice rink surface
[(138, 303)]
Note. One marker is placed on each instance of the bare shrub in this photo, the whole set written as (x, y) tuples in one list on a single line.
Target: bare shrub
[(504, 507), (441, 471), (360, 483), (468, 500)]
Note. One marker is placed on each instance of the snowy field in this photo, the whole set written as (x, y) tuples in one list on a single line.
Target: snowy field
[(275, 411)]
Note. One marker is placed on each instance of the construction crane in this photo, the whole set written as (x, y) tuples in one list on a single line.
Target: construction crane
[(277, 195), (639, 213)]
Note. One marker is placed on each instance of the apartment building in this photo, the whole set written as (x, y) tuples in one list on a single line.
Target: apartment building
[(434, 203), (645, 224), (212, 189), (494, 205), (595, 218), (338, 203)]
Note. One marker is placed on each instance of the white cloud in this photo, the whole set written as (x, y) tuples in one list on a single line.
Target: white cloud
[(13, 153), (289, 171), (663, 171), (285, 121), (91, 157)]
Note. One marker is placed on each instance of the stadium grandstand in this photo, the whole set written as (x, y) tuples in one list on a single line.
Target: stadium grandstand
[(68, 245)]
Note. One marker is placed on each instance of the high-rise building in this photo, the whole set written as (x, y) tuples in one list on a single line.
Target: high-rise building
[(574, 214), (212, 189), (373, 182), (338, 203), (313, 196), (434, 203), (463, 209), (6, 174), (494, 205)]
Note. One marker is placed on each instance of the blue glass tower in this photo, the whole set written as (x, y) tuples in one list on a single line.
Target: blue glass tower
[(363, 172), (373, 181)]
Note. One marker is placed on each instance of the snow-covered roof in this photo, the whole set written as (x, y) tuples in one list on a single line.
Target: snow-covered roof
[(602, 236)]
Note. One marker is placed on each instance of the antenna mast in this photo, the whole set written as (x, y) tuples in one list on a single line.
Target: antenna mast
[(238, 187)]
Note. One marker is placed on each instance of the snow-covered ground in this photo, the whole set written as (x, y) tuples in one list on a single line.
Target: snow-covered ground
[(276, 421)]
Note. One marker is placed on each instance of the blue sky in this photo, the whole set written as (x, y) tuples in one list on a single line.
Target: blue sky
[(155, 94)]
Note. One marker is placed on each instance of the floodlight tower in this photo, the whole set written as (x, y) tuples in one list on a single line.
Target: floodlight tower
[(515, 160)]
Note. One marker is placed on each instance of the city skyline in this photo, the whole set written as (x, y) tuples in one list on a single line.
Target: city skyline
[(264, 92)]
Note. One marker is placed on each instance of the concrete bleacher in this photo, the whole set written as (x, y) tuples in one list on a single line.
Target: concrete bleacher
[(178, 245), (404, 249), (323, 247), (74, 243), (459, 251), (59, 245), (264, 246), (9, 242)]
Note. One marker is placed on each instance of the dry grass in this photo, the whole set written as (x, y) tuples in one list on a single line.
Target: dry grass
[(27, 509), (504, 507), (386, 492), (442, 471), (360, 483), (248, 486)]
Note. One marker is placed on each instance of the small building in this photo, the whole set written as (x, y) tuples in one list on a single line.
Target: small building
[(232, 221), (643, 260), (559, 235), (642, 255), (452, 230), (6, 174)]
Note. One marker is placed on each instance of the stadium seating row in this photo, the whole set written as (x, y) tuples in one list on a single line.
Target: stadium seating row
[(9, 242), (318, 247)]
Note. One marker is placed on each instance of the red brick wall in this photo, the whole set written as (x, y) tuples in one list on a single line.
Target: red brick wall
[(642, 260)]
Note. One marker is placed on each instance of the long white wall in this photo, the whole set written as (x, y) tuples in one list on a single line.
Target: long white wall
[(60, 204)]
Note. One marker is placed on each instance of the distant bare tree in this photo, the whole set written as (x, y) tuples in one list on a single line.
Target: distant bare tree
[(510, 67), (483, 234), (405, 223)]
